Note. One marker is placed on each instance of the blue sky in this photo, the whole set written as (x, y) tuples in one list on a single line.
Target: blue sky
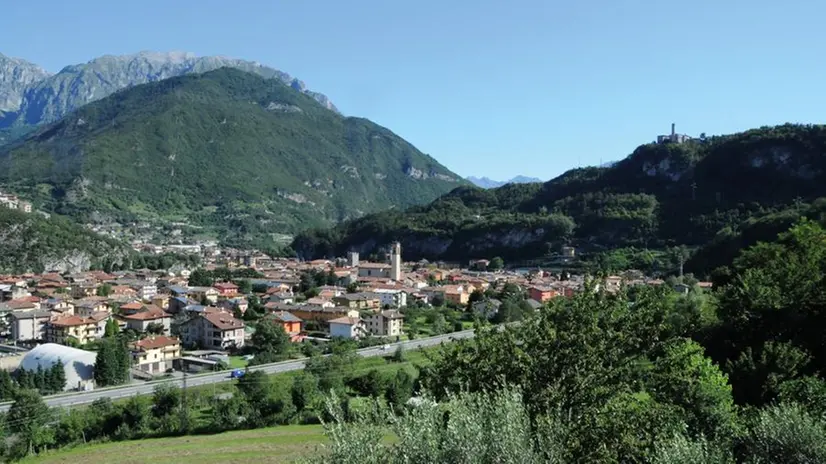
[(487, 87)]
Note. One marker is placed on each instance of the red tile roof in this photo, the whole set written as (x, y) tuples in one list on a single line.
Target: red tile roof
[(151, 343), (71, 321), (224, 321)]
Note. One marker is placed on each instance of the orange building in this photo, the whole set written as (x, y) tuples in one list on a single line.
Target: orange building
[(292, 324), (542, 294)]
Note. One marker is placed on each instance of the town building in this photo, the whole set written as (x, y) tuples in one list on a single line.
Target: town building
[(208, 294), (360, 300), (78, 365), (386, 323), (542, 294), (140, 319), (378, 270), (348, 327), (292, 325), (396, 262), (226, 289), (391, 297), (80, 329), (674, 137), (29, 325), (214, 330), (155, 354)]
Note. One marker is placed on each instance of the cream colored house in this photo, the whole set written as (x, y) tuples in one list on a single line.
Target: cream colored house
[(385, 324), (81, 329), (155, 354)]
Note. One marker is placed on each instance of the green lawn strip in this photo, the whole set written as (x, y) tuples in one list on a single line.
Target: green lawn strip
[(273, 444)]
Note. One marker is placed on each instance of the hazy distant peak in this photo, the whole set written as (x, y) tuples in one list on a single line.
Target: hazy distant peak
[(486, 182)]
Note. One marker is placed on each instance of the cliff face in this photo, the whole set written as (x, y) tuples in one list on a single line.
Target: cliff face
[(16, 76), (32, 243)]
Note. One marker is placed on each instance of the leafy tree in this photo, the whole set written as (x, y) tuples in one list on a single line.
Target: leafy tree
[(28, 418), (439, 324), (372, 384), (200, 278), (400, 389), (226, 414), (399, 355), (155, 328), (809, 392), (778, 293), (254, 387), (7, 386), (681, 450), (757, 374), (104, 290), (483, 428), (331, 370), (165, 400), (244, 286), (270, 336), (684, 377), (112, 363), (785, 433), (496, 263), (135, 416), (71, 428), (304, 391), (57, 377), (112, 329)]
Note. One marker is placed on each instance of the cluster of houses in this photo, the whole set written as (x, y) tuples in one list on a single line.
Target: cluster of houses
[(75, 310), (10, 201), (169, 314)]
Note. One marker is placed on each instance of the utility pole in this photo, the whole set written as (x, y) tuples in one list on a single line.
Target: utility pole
[(184, 410)]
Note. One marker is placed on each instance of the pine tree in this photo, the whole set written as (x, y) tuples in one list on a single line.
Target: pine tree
[(113, 362), (40, 378), (112, 328), (58, 377), (7, 386)]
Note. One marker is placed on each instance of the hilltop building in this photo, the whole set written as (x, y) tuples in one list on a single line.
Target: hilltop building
[(674, 137)]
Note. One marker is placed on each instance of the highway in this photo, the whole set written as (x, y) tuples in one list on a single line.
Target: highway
[(133, 389)]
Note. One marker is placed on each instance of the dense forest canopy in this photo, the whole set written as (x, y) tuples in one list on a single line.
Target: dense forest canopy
[(693, 193)]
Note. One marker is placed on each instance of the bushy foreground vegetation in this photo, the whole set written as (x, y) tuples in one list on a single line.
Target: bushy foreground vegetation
[(636, 376), (252, 402), (629, 378)]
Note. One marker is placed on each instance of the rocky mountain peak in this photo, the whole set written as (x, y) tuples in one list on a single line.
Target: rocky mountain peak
[(16, 76), (31, 97)]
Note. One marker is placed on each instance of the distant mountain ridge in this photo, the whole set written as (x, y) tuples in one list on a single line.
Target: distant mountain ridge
[(717, 194), (30, 96), (225, 151), (487, 183)]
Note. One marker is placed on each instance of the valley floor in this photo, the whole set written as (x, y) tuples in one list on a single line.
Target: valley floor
[(275, 444)]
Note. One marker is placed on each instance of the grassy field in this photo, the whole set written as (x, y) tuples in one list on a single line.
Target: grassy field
[(275, 444)]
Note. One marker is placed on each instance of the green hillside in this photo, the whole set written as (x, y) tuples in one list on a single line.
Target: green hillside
[(226, 150), (695, 193), (32, 243)]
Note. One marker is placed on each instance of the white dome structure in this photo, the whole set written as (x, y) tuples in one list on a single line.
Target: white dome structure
[(78, 364)]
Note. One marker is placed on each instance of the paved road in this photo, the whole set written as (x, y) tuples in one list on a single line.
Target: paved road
[(79, 398)]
